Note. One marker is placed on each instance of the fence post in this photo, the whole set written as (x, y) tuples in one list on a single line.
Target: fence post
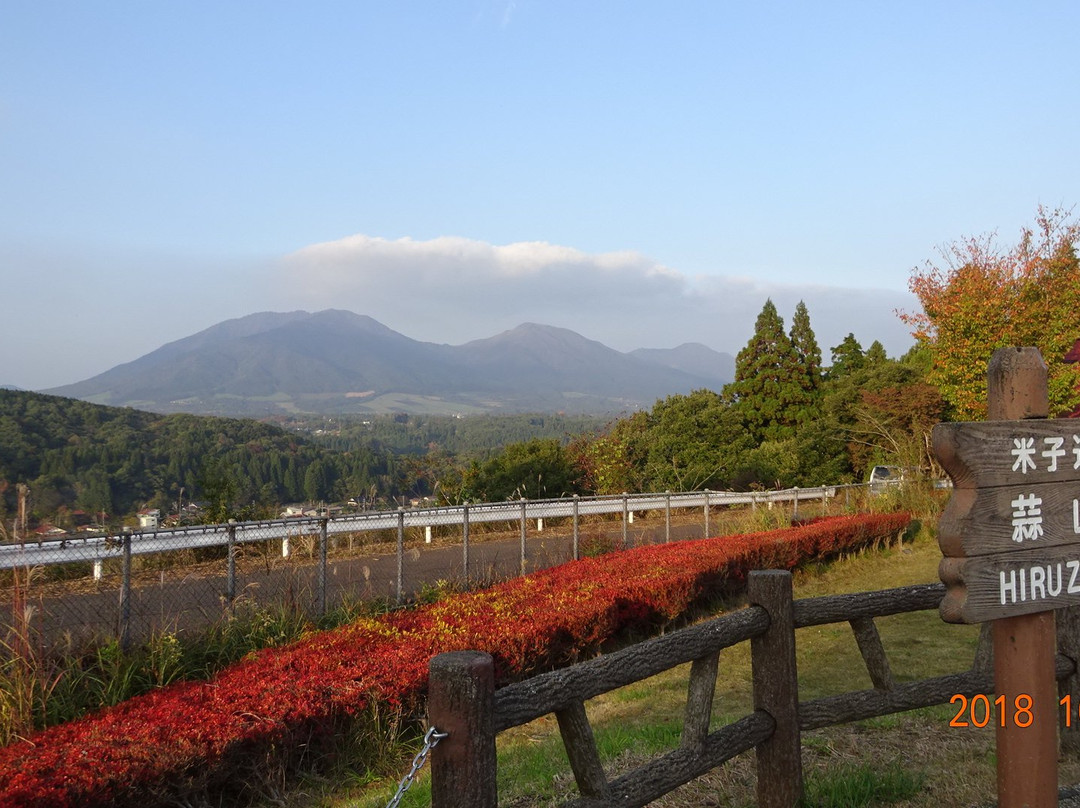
[(400, 551), (577, 543), (667, 517), (125, 592), (230, 564), (776, 690), (523, 535), (322, 566), (707, 513), (461, 703), (625, 522), (465, 540)]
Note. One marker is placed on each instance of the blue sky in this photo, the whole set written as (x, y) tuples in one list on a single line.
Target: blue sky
[(644, 173)]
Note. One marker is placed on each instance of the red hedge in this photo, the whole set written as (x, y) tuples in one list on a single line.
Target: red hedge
[(194, 734)]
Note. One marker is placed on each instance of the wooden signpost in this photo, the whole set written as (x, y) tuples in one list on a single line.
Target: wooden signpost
[(1010, 537), (1011, 532)]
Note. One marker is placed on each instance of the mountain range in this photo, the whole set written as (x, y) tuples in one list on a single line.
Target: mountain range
[(337, 362)]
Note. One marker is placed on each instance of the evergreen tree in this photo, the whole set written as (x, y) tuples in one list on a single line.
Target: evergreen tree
[(317, 482), (875, 354), (767, 387), (809, 377), (847, 358)]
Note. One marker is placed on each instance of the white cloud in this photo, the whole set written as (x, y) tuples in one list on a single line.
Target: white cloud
[(452, 289)]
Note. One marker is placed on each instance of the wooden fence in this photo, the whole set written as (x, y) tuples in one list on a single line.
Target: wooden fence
[(463, 702)]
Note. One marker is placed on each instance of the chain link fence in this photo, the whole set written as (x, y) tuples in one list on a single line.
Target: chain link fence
[(73, 592)]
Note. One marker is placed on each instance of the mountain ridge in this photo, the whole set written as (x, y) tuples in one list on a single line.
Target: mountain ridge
[(336, 362)]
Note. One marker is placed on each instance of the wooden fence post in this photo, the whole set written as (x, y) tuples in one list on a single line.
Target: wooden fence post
[(776, 690), (461, 701), (1024, 645)]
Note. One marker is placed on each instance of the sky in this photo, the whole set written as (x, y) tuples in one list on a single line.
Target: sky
[(644, 173)]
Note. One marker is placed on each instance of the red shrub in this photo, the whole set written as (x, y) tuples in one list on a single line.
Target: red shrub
[(192, 735)]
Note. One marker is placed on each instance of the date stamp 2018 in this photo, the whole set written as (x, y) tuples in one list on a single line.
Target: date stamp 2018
[(979, 710)]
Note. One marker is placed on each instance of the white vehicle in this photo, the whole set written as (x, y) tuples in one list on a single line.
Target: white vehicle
[(882, 477)]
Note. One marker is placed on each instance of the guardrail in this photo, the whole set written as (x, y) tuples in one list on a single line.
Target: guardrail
[(99, 548)]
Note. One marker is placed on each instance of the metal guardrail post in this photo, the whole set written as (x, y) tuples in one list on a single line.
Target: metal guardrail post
[(707, 531), (523, 535), (625, 521), (230, 565), (125, 592), (577, 543), (795, 505), (465, 540), (400, 552), (667, 517), (322, 566)]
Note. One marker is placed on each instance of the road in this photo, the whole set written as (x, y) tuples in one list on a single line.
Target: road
[(185, 597)]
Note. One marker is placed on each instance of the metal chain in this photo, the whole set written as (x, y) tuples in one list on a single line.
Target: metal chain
[(431, 740)]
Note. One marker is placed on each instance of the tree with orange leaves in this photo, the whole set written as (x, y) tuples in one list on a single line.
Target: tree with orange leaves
[(987, 296)]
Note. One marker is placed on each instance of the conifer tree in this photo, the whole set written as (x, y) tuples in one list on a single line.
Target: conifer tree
[(809, 377), (875, 354), (766, 387), (847, 358)]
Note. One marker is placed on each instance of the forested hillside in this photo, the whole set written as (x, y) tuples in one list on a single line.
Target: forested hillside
[(76, 456), (80, 456)]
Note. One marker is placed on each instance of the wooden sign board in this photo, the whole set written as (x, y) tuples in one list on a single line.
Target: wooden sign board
[(1010, 584), (1011, 531), (981, 454), (985, 521)]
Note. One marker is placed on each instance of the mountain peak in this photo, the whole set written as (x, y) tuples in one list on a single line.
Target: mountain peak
[(336, 361)]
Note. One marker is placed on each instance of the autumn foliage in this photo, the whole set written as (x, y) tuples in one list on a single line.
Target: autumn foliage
[(987, 296), (283, 702)]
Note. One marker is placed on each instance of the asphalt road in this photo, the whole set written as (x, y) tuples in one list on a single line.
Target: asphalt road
[(189, 596)]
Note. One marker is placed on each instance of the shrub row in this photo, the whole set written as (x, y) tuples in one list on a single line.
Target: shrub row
[(279, 703)]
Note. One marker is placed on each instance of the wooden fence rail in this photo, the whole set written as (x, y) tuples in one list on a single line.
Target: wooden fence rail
[(464, 702)]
